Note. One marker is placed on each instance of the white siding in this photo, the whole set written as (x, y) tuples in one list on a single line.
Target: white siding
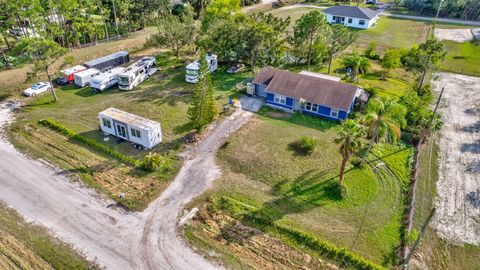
[(355, 22)]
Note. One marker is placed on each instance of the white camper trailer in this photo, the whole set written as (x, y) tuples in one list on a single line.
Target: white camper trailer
[(137, 73), (83, 78), (106, 80), (142, 132), (192, 69)]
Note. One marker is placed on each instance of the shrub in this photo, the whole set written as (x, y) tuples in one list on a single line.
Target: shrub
[(305, 145), (356, 162), (153, 162), (371, 51)]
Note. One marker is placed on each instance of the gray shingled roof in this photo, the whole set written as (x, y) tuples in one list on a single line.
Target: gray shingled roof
[(330, 93), (351, 11)]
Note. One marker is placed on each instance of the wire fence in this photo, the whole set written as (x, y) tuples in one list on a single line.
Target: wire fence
[(100, 41)]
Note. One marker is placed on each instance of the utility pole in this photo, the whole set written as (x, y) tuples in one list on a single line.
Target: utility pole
[(436, 16), (435, 110), (408, 256)]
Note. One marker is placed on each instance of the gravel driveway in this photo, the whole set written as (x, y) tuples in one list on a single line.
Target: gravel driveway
[(457, 217)]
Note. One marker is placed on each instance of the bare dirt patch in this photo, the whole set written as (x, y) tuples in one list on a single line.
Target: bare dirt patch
[(458, 35), (458, 208)]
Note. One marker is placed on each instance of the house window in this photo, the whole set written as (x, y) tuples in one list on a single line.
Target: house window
[(361, 22), (106, 123), (135, 133), (280, 99), (333, 18), (350, 20), (334, 113), (311, 107)]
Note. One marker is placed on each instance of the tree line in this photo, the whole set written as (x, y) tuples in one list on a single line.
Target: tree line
[(465, 9)]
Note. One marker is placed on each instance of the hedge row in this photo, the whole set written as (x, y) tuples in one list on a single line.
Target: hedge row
[(49, 123), (345, 257)]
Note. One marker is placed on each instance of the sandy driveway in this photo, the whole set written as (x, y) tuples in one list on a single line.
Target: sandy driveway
[(115, 238), (458, 35), (458, 188)]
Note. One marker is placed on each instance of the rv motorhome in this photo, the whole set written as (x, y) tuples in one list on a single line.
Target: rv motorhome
[(68, 74), (107, 62), (106, 80), (142, 132), (137, 73), (192, 69), (83, 78)]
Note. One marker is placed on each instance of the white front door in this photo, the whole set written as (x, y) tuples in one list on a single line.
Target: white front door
[(121, 131)]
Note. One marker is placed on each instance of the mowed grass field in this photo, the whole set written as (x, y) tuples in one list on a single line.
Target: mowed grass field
[(26, 246), (264, 176), (164, 97), (462, 57)]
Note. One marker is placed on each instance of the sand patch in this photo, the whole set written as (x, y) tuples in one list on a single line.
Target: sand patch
[(458, 35)]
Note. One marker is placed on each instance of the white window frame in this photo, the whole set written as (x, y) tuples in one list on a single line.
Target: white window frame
[(104, 121), (334, 112), (280, 99), (135, 133), (310, 107), (361, 22)]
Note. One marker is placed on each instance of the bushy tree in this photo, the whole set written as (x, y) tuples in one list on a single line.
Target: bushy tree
[(391, 59), (430, 54), (371, 51), (202, 109), (219, 10), (309, 34), (175, 34), (338, 39)]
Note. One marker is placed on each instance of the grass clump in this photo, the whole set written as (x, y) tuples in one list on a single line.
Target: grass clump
[(306, 145), (154, 162)]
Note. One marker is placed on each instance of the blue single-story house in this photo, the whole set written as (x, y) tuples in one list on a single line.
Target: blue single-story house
[(310, 94)]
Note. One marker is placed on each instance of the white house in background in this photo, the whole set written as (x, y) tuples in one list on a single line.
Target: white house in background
[(352, 16), (142, 132)]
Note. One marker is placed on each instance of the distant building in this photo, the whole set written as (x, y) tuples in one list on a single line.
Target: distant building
[(309, 93), (352, 16)]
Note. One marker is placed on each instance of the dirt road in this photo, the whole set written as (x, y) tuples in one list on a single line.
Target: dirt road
[(115, 238), (458, 186)]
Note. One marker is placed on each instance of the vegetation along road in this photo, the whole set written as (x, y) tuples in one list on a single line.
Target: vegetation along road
[(116, 238)]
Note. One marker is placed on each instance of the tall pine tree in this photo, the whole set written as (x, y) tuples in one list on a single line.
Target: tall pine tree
[(202, 110)]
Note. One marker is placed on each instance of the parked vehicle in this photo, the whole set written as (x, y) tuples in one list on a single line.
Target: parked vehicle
[(83, 78), (37, 89), (106, 80), (109, 61), (143, 133), (68, 74), (371, 2), (192, 69), (235, 68), (137, 73)]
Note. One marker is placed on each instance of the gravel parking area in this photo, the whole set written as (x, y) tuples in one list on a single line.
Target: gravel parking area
[(458, 35), (458, 188)]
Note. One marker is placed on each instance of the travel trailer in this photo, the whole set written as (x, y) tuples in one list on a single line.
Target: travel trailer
[(68, 74), (83, 78), (142, 132), (137, 73), (107, 62), (106, 80), (192, 69)]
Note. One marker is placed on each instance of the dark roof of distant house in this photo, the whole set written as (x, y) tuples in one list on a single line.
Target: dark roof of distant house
[(330, 93), (350, 11)]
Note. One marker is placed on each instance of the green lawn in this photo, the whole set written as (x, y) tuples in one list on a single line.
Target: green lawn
[(262, 171), (462, 58), (164, 98)]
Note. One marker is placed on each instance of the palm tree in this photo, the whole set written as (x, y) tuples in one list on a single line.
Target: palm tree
[(384, 118), (357, 63), (350, 139)]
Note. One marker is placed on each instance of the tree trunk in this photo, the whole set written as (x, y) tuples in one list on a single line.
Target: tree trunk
[(5, 37), (372, 141), (422, 80), (342, 172), (330, 62), (310, 51), (55, 98)]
